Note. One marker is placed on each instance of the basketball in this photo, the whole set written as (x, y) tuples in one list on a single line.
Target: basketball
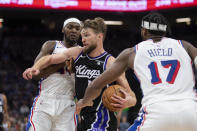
[(108, 93)]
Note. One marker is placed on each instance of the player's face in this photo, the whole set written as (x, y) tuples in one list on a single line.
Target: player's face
[(72, 32), (89, 39)]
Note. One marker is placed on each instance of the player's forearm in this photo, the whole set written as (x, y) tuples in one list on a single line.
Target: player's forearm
[(132, 101), (92, 92), (43, 62), (95, 87)]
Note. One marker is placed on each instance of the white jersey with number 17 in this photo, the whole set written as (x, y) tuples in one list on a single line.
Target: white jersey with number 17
[(164, 70)]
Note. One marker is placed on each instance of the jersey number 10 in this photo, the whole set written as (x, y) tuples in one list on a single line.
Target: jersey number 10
[(174, 68)]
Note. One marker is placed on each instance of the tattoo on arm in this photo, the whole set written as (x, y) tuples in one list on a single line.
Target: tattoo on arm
[(46, 49)]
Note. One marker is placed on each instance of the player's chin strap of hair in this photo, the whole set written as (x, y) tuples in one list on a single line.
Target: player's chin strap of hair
[(195, 62), (75, 20), (154, 26)]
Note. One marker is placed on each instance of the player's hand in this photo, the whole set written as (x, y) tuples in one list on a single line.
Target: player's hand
[(121, 103), (69, 65), (29, 72), (81, 104)]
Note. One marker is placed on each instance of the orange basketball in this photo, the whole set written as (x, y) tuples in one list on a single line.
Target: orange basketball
[(108, 93)]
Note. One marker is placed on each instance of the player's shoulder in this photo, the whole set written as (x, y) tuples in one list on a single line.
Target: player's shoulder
[(79, 47), (111, 58), (129, 50), (142, 44), (110, 61), (125, 54), (50, 43), (187, 45), (183, 43), (171, 39), (4, 96), (75, 51), (76, 48)]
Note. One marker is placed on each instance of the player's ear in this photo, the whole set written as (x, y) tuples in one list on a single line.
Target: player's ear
[(143, 33), (100, 35)]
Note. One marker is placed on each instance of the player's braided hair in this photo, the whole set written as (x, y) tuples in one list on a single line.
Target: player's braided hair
[(97, 25), (159, 19)]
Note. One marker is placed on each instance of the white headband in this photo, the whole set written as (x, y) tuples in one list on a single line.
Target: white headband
[(153, 26), (71, 20)]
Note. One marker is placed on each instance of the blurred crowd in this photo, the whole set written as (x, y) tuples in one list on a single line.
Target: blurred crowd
[(19, 46)]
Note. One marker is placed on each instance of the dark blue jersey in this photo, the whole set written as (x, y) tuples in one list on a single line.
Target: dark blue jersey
[(96, 117)]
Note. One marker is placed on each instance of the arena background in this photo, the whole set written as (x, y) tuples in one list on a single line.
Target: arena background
[(23, 29)]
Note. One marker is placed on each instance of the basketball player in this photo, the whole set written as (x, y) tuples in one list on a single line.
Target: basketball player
[(3, 109), (90, 62), (53, 109), (163, 66)]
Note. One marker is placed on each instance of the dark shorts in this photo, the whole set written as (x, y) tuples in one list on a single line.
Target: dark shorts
[(88, 119)]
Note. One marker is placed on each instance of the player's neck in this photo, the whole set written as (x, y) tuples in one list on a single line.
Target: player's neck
[(155, 38), (68, 44)]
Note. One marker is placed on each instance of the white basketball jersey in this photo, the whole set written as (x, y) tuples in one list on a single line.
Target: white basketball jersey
[(59, 83), (164, 70)]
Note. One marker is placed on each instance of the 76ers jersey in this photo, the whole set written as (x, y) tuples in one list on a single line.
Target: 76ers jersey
[(1, 109), (164, 70), (59, 83)]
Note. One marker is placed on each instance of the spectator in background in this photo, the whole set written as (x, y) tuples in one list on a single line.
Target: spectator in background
[(124, 124), (24, 109), (4, 117)]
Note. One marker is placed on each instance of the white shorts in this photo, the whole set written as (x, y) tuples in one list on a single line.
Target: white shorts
[(167, 116), (52, 114)]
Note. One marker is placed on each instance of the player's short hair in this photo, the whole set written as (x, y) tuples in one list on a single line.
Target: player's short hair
[(155, 23), (97, 24)]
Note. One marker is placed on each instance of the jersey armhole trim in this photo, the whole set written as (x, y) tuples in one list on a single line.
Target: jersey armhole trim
[(78, 57), (136, 48), (180, 42), (54, 47), (105, 63)]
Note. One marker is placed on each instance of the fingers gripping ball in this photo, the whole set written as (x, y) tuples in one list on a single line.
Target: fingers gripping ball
[(108, 93)]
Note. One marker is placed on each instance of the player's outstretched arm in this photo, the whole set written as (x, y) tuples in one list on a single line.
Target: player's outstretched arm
[(57, 58), (47, 60), (123, 61), (42, 63), (129, 96)]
